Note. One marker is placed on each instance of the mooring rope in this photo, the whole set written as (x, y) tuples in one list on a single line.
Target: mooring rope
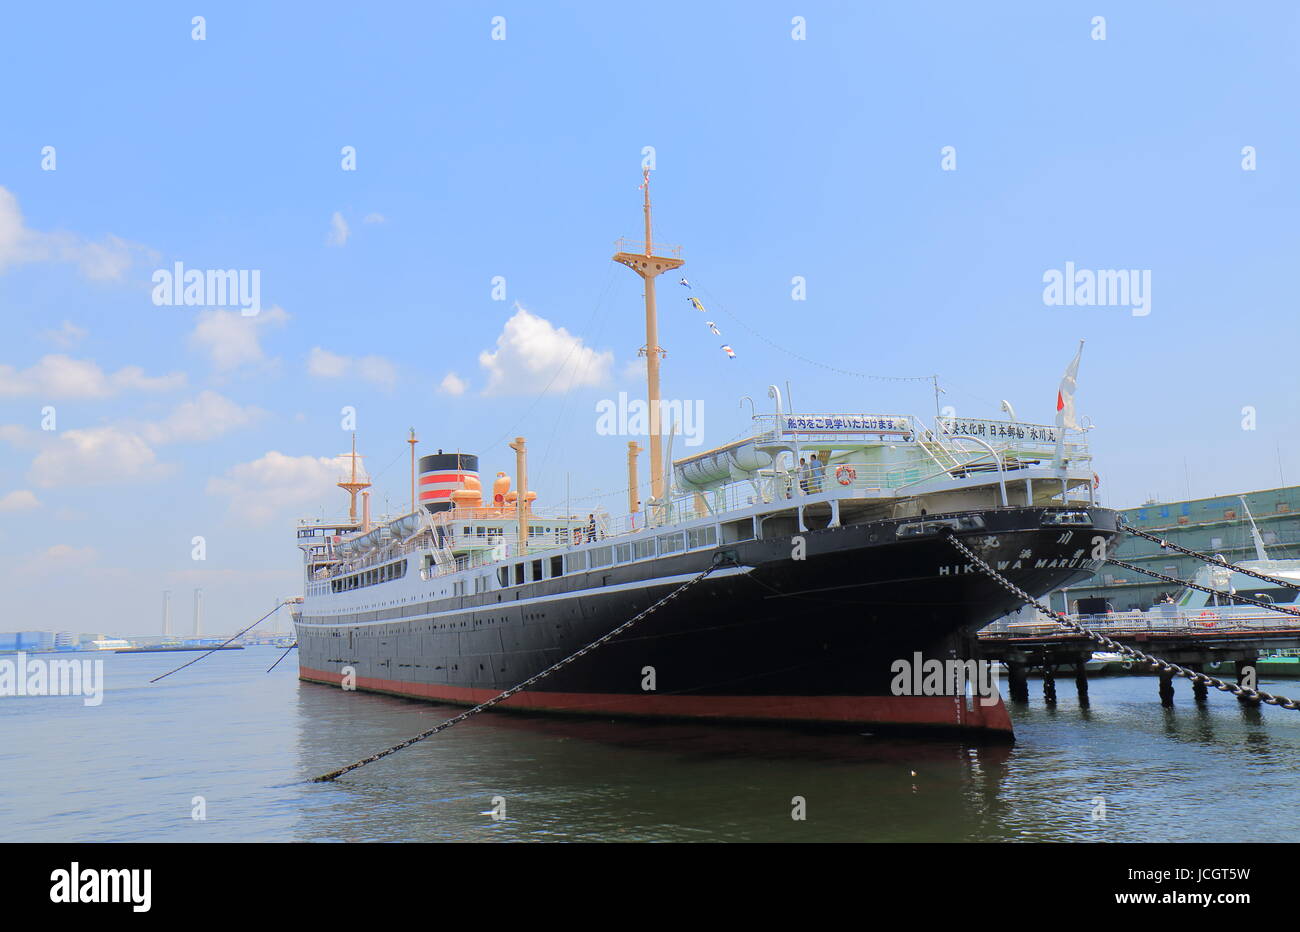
[(1163, 665), (1168, 544), (282, 656), (223, 644), (1191, 585), (718, 560)]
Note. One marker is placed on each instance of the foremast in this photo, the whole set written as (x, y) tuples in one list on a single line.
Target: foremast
[(650, 266)]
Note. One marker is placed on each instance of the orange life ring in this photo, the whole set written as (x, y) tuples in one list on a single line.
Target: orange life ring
[(845, 474), (1096, 481)]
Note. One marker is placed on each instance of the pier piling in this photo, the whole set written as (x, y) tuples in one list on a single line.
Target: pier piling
[(1081, 680), (1049, 684), (1167, 688), (1200, 691), (1017, 682)]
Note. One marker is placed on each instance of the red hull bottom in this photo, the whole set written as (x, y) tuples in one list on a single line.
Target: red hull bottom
[(918, 712)]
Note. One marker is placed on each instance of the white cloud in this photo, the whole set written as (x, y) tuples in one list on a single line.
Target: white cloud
[(19, 500), (124, 452), (230, 339), (59, 376), (208, 416), (95, 456), (635, 369), (326, 365), (59, 559), (21, 437), (452, 384), (338, 230), (375, 218), (107, 259), (275, 483), (532, 354), (377, 369), (66, 336)]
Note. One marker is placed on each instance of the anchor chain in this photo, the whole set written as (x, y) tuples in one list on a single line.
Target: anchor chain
[(1163, 666), (1191, 585), (718, 561), (1170, 545)]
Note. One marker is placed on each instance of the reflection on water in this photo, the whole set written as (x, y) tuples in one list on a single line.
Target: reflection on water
[(248, 742)]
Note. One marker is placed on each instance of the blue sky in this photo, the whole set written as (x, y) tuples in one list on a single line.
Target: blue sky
[(520, 158)]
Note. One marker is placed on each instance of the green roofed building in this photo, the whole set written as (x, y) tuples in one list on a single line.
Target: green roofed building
[(1209, 525)]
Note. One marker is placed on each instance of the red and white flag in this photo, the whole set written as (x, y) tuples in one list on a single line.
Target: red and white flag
[(728, 350), (1065, 416)]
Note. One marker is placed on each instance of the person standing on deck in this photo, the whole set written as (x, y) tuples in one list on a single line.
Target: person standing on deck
[(803, 476), (818, 470)]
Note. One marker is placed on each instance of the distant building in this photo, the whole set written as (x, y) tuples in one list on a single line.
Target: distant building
[(1208, 525), (66, 639)]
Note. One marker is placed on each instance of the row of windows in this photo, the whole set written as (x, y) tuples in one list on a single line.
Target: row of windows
[(373, 577), (484, 531), (1185, 510), (598, 557)]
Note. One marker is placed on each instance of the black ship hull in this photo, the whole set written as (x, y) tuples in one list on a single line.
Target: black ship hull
[(778, 636)]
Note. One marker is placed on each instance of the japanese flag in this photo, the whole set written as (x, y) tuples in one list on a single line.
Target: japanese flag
[(1065, 416)]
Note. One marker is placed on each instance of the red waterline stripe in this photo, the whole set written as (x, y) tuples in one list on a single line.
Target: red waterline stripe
[(884, 710)]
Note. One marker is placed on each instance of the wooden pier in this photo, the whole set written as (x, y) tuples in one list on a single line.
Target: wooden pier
[(1199, 643)]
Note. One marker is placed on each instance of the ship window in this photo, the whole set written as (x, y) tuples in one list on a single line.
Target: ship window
[(537, 570), (670, 543), (644, 548), (600, 556), (576, 561), (702, 537), (519, 574), (481, 532), (1276, 595), (557, 566), (734, 531), (623, 553), (503, 575)]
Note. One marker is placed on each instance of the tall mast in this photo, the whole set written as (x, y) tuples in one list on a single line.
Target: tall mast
[(650, 266), (353, 484), (412, 441)]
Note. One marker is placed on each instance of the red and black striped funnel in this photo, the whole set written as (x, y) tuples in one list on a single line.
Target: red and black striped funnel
[(444, 473)]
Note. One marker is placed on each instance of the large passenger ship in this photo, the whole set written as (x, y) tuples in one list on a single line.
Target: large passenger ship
[(826, 577)]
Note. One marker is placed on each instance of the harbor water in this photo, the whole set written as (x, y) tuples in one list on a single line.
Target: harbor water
[(234, 744)]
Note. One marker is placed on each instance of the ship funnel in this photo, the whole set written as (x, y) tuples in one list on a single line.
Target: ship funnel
[(441, 474)]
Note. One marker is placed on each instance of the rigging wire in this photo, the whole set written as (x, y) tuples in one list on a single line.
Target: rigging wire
[(812, 362)]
